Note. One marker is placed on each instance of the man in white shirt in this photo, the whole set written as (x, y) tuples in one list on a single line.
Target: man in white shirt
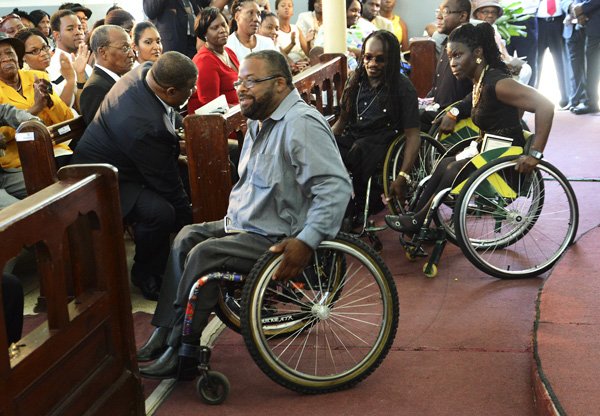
[(370, 11), (68, 35)]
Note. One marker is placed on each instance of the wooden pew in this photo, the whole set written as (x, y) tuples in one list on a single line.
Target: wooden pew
[(206, 136), (82, 360), (35, 141), (423, 60)]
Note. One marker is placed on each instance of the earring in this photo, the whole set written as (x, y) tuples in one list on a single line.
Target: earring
[(478, 61)]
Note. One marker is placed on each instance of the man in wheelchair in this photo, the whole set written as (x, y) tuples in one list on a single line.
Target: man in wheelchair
[(498, 103), (378, 104), (293, 185)]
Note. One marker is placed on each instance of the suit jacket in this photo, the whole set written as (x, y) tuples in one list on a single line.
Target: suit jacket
[(132, 132), (591, 8), (171, 20), (96, 88)]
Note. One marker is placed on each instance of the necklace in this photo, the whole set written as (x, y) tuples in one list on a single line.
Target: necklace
[(224, 57), (360, 114), (478, 87)]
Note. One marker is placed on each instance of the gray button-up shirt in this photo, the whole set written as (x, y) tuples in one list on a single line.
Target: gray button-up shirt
[(292, 179), (10, 116)]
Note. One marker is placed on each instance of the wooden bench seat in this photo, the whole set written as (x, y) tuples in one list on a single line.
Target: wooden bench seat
[(82, 360)]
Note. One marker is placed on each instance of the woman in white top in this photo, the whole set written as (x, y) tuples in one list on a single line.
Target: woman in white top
[(243, 39), (291, 40), (310, 22)]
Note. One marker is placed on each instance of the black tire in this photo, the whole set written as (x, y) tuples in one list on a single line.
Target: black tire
[(354, 318), (429, 153), (519, 230), (212, 387)]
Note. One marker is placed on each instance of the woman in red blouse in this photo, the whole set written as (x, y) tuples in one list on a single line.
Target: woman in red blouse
[(217, 64)]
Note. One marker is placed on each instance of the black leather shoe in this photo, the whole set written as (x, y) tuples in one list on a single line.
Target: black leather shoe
[(154, 346), (584, 110), (164, 367), (148, 285)]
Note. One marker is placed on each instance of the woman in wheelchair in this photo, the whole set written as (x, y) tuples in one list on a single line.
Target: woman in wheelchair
[(378, 103), (498, 104)]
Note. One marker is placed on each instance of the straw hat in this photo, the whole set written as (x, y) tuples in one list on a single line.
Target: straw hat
[(479, 4)]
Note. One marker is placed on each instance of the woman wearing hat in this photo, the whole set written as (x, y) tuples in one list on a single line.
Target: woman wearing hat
[(489, 11), (26, 90)]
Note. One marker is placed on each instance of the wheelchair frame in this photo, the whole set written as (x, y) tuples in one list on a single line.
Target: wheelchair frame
[(323, 331)]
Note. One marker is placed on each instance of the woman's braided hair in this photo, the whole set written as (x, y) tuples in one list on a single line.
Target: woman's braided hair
[(480, 36)]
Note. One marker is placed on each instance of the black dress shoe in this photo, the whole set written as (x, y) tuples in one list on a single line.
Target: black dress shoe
[(148, 285), (168, 366), (154, 346), (586, 109), (164, 367)]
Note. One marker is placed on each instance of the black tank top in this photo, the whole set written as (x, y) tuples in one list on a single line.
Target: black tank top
[(493, 116)]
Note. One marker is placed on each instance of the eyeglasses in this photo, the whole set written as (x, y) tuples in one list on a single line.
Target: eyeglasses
[(492, 12), (379, 59), (251, 83), (445, 12), (124, 48), (37, 51)]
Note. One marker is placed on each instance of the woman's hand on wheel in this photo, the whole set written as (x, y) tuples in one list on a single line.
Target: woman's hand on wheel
[(526, 164), (296, 255)]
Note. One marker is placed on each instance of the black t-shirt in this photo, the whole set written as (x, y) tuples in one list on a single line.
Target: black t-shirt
[(374, 118)]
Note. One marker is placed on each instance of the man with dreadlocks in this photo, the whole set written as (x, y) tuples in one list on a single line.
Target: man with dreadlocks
[(378, 104)]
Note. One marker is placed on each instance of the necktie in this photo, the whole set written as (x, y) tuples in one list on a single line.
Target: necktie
[(551, 7), (189, 11)]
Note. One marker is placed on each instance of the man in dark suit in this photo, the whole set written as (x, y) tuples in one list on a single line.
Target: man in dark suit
[(550, 28), (114, 58), (574, 35), (135, 130), (588, 15), (174, 19)]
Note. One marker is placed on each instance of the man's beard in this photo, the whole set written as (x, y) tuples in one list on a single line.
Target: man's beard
[(256, 110)]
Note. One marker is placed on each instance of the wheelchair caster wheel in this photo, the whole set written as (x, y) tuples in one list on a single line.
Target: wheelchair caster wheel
[(430, 270), (212, 387), (410, 256)]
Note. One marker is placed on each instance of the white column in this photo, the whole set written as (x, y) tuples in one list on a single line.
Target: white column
[(334, 26)]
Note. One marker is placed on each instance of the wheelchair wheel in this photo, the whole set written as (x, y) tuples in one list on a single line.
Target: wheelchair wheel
[(464, 129), (429, 153), (212, 387), (512, 225), (228, 306), (348, 321)]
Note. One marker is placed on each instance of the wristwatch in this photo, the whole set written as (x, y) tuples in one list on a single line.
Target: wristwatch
[(536, 154), (405, 176), (453, 113)]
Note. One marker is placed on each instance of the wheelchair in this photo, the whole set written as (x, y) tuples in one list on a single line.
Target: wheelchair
[(324, 331), (508, 225)]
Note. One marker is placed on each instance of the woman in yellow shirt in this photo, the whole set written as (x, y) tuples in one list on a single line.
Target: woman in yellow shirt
[(30, 91)]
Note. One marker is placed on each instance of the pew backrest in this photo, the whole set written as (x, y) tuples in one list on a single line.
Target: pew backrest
[(35, 142), (423, 61), (207, 136), (82, 359)]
